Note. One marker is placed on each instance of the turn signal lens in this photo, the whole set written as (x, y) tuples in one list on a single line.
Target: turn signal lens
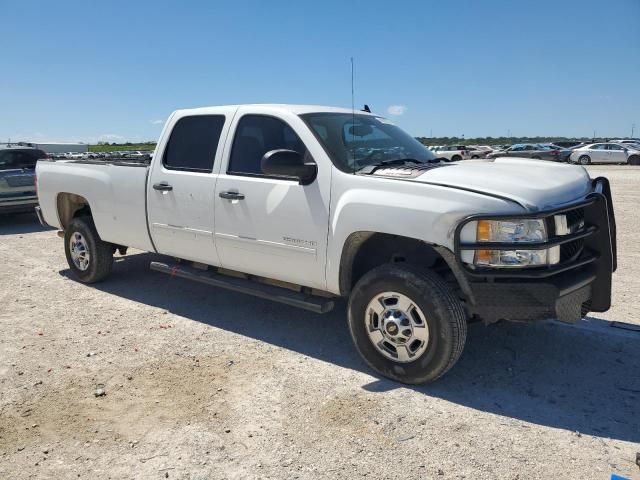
[(484, 231)]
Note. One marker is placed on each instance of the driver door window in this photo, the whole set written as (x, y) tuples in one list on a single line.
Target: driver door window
[(257, 135)]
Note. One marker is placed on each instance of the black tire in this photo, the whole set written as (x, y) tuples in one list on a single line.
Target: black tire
[(100, 253), (634, 160), (456, 158), (443, 312), (474, 157), (537, 157), (584, 160)]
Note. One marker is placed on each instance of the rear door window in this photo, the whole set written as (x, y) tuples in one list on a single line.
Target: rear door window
[(193, 143)]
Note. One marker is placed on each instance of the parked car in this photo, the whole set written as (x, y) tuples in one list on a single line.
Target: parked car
[(606, 153), (567, 143), (534, 151), (479, 151), (17, 178), (454, 153), (634, 141), (634, 144), (306, 204)]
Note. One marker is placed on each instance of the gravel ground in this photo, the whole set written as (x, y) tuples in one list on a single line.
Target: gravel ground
[(204, 383)]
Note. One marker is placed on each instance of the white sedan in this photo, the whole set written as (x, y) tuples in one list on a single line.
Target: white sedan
[(606, 153)]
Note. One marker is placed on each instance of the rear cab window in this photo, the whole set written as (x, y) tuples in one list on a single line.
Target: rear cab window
[(193, 143)]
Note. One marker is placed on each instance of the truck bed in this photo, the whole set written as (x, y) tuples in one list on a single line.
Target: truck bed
[(114, 189), (121, 162)]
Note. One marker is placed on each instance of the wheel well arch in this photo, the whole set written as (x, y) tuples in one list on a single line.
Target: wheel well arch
[(364, 251), (70, 206)]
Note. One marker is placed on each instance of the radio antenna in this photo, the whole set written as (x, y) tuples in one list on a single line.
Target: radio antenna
[(353, 114)]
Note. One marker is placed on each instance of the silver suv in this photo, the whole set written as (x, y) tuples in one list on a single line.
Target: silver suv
[(17, 178)]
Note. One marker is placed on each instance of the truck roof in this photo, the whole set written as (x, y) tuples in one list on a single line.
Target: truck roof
[(295, 109)]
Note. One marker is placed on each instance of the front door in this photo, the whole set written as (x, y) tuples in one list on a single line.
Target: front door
[(269, 226), (598, 153), (181, 187)]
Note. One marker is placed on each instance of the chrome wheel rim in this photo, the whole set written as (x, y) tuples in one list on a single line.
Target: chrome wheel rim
[(397, 327), (584, 160), (79, 251)]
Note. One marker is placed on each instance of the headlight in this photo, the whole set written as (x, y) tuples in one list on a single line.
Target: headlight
[(516, 231), (511, 231)]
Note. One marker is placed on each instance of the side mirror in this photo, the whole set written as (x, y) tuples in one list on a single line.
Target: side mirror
[(289, 164)]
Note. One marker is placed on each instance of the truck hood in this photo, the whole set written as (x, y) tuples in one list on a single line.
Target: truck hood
[(535, 184)]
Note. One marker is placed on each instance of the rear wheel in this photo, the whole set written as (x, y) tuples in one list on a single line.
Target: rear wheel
[(584, 160), (475, 156), (456, 158), (634, 160), (88, 256), (407, 323), (536, 157)]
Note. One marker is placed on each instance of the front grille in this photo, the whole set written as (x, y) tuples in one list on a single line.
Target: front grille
[(575, 219), (575, 223)]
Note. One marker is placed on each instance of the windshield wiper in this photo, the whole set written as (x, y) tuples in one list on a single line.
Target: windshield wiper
[(393, 161)]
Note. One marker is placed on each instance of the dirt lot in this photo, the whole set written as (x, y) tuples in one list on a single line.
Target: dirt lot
[(203, 383)]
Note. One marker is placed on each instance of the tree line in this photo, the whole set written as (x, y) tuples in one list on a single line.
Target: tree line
[(503, 140)]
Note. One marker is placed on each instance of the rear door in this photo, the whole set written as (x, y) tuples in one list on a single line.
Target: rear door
[(181, 186), (616, 153)]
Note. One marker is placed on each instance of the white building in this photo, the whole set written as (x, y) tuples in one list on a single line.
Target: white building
[(58, 147)]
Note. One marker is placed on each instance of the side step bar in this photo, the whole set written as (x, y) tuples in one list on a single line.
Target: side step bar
[(269, 292)]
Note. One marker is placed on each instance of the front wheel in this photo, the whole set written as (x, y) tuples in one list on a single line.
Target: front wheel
[(89, 258), (407, 323), (456, 158), (584, 160), (634, 160)]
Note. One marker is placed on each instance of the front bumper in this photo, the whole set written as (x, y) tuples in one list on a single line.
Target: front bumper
[(40, 216), (580, 283)]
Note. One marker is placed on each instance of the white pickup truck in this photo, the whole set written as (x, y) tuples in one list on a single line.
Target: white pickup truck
[(304, 204)]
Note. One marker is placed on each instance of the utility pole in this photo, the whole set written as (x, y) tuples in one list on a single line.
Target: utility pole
[(633, 129), (508, 133)]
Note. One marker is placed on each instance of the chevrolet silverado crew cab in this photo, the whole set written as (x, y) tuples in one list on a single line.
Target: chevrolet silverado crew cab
[(305, 204)]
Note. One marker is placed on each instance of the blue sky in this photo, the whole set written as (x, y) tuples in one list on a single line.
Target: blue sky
[(85, 70)]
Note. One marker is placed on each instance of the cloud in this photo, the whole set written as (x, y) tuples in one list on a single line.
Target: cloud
[(156, 122), (396, 109)]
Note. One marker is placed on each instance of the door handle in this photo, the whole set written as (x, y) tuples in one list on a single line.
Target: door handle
[(162, 186), (232, 195)]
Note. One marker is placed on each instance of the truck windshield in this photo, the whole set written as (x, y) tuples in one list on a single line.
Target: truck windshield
[(357, 141)]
